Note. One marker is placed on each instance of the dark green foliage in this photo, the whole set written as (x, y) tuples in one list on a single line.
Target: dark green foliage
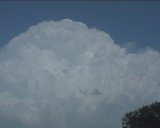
[(145, 117)]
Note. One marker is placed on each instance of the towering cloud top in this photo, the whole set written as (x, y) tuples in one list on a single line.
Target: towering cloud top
[(64, 75)]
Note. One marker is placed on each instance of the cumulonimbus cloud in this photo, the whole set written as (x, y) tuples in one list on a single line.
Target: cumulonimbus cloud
[(65, 75)]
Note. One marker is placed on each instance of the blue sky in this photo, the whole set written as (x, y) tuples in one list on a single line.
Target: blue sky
[(136, 22)]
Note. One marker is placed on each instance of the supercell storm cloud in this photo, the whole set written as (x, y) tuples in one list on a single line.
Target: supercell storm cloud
[(65, 75)]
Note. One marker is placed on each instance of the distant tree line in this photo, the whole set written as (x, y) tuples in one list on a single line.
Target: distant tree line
[(144, 117)]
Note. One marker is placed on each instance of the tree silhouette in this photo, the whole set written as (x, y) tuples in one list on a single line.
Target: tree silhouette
[(145, 117)]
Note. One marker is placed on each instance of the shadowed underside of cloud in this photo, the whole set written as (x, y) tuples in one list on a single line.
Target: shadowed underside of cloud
[(65, 75)]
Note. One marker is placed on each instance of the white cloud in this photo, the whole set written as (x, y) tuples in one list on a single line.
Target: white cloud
[(65, 75)]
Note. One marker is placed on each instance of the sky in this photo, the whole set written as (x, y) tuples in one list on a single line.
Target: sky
[(77, 65), (134, 22)]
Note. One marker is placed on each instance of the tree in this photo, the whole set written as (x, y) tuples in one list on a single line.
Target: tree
[(145, 117)]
